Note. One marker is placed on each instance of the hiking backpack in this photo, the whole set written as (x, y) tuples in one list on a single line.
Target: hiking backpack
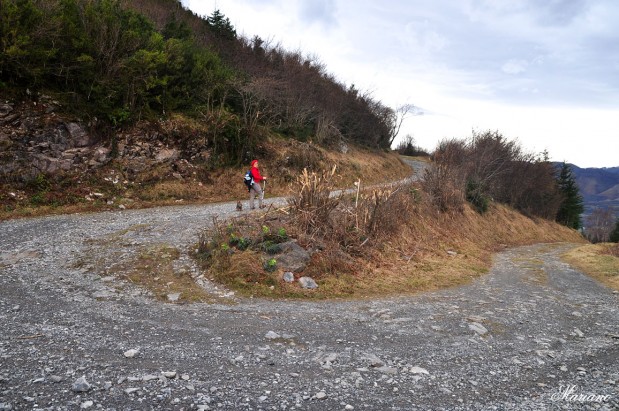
[(248, 180)]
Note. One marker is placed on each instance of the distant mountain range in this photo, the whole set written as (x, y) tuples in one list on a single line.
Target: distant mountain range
[(598, 186)]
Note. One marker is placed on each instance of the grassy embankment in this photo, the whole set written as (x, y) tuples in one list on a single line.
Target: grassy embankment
[(600, 261)]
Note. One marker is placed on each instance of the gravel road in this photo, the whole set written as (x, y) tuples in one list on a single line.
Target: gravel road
[(533, 334)]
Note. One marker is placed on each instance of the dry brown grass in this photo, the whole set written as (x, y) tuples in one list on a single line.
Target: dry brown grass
[(394, 242), (154, 267), (160, 185), (600, 261)]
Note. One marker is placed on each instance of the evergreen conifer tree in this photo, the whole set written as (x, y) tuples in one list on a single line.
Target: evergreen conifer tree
[(614, 235), (221, 25), (572, 206)]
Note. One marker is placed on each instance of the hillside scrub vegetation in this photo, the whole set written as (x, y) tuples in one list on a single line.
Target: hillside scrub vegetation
[(489, 167), (382, 241), (121, 61)]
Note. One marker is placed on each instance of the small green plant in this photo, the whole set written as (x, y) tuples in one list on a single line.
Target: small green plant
[(265, 230), (270, 265), (243, 244), (281, 233), (271, 247)]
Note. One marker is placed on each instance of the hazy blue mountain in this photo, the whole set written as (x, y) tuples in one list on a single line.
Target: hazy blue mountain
[(598, 186)]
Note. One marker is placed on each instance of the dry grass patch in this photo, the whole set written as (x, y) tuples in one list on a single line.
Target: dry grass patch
[(153, 269), (600, 261)]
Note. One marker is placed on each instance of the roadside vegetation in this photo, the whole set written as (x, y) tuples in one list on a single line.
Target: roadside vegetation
[(400, 239), (600, 261)]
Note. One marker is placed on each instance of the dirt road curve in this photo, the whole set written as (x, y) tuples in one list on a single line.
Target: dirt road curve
[(533, 334)]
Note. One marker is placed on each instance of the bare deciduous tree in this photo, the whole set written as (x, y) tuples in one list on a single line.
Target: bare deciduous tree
[(599, 224)]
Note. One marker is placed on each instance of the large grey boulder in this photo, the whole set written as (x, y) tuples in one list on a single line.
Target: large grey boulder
[(293, 257)]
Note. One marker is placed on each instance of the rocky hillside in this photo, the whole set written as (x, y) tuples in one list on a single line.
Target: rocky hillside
[(54, 162)]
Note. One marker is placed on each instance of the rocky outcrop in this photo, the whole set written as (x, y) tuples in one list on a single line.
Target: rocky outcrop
[(35, 139)]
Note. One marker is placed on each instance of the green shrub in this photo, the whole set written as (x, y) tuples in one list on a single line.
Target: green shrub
[(270, 265), (476, 196)]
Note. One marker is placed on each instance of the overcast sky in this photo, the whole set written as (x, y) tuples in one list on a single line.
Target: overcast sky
[(545, 72)]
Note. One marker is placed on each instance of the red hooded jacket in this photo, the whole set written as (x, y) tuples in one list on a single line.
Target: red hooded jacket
[(255, 173)]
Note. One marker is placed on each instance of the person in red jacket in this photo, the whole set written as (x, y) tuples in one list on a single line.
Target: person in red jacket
[(256, 188)]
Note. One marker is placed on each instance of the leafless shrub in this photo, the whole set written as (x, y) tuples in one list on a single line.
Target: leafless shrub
[(599, 224), (445, 179), (384, 212), (313, 202), (489, 167)]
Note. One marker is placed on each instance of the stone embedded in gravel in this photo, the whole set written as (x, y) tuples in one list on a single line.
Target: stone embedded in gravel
[(579, 333), (131, 353), (327, 358), (478, 328), (349, 407), (169, 374), (86, 404), (288, 277), (308, 283), (55, 378), (81, 385), (272, 335), (373, 359), (129, 391), (387, 370), (149, 377), (418, 370), (321, 395), (174, 297)]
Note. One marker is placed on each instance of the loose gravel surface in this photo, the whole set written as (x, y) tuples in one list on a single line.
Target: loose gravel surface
[(533, 334)]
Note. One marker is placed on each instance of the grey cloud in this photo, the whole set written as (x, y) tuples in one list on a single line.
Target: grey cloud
[(547, 52), (319, 11), (559, 12)]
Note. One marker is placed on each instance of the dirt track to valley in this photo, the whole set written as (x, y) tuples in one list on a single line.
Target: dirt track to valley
[(533, 334)]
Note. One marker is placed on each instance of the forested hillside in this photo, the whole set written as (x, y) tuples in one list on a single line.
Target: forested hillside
[(143, 102), (117, 62)]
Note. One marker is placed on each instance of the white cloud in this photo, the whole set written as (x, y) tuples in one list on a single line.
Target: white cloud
[(514, 67), (542, 71)]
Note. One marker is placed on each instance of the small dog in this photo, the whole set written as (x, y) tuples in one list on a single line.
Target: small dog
[(239, 206)]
